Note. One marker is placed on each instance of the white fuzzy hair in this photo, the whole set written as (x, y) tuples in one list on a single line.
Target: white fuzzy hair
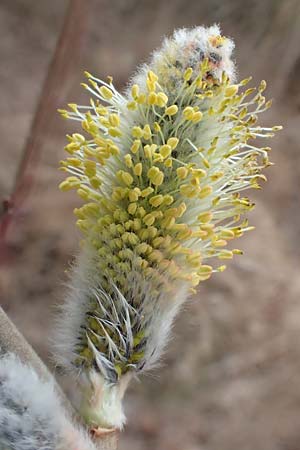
[(31, 416), (154, 311), (184, 45)]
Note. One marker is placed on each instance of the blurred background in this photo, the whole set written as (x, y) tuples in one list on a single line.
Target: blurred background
[(231, 375)]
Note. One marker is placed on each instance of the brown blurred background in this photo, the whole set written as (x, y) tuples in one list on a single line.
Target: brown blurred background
[(231, 376)]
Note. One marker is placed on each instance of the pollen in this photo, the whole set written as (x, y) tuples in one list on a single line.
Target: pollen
[(171, 110), (106, 92)]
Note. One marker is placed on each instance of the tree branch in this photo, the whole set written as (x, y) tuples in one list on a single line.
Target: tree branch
[(61, 68)]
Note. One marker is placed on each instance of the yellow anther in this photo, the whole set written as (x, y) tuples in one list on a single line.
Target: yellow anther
[(132, 207), (262, 86), (156, 256), (232, 90), (149, 219), (205, 217), (250, 91), (152, 76), (104, 121), (157, 157), (182, 172), (181, 209), (147, 132), (147, 191), (126, 254), (171, 110), (226, 234), (147, 151), (106, 92), (137, 224), (119, 193), (194, 260), (156, 200), (141, 211), (168, 222), (173, 142), (157, 242), (155, 176), (132, 106), (225, 254), (74, 162), (120, 215), (90, 126), (168, 200), (168, 163), (72, 148), (114, 120), (197, 117), (195, 181), (143, 234), (95, 182), (188, 74), (102, 111), (152, 98), (131, 238), (135, 146), (125, 177), (141, 99), (188, 190), (120, 230), (69, 183), (83, 193), (217, 176), (114, 150), (195, 279), (158, 180), (206, 163), (165, 150), (184, 234), (137, 132), (236, 251), (188, 113), (138, 169), (156, 127), (198, 173), (161, 99), (114, 132), (128, 160), (134, 194), (219, 243), (205, 272), (77, 137), (200, 234), (73, 107), (64, 113), (171, 212), (135, 91)]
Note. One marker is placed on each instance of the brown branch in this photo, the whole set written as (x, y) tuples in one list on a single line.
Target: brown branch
[(61, 67)]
